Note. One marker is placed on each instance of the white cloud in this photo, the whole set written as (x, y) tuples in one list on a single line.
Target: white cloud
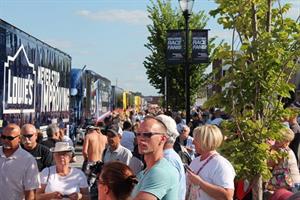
[(117, 15)]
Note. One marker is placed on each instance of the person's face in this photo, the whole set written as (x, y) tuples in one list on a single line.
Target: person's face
[(113, 140), (150, 137), (197, 146), (28, 137), (185, 133), (62, 158), (10, 139)]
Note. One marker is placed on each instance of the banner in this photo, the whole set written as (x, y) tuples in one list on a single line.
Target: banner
[(175, 47), (200, 46)]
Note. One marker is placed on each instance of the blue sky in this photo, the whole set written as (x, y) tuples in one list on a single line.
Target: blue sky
[(106, 35)]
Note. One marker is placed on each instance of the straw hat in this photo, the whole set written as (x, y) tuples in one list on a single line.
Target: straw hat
[(61, 147)]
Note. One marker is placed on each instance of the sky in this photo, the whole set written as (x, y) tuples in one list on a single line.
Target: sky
[(107, 36)]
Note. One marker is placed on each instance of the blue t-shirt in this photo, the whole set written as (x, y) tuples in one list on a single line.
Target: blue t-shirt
[(161, 181), (175, 160)]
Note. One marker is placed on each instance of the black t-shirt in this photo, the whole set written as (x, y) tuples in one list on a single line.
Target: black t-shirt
[(49, 143), (42, 155)]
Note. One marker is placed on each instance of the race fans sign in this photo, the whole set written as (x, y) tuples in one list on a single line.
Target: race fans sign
[(175, 47), (199, 46)]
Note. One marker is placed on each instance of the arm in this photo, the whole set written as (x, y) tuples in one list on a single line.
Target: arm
[(85, 148), (29, 195), (40, 194), (212, 190), (145, 196)]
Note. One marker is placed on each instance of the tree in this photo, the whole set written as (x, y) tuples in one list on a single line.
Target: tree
[(165, 18), (261, 67)]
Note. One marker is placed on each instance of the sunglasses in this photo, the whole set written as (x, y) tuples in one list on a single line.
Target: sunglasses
[(10, 138), (148, 134), (27, 136)]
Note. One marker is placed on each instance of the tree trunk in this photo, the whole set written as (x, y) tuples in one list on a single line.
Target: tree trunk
[(257, 190)]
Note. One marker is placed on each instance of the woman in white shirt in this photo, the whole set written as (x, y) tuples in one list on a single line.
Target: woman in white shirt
[(62, 181), (211, 176)]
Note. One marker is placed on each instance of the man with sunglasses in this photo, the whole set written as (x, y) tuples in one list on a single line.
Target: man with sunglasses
[(41, 153), (19, 175), (159, 180)]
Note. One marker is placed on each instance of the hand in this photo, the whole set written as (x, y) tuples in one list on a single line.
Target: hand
[(193, 178), (75, 196), (189, 149), (55, 195)]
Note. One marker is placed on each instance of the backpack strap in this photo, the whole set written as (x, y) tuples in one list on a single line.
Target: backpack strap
[(48, 174)]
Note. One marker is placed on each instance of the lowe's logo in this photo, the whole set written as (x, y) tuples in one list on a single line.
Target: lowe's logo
[(19, 84)]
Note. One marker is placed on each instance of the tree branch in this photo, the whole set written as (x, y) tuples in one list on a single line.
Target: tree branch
[(269, 18)]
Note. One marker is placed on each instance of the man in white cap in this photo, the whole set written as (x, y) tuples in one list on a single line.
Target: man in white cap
[(159, 180), (171, 155)]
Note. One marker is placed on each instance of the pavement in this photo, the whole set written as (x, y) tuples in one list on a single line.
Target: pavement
[(79, 157)]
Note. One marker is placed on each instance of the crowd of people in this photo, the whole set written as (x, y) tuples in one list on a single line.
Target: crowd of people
[(140, 157)]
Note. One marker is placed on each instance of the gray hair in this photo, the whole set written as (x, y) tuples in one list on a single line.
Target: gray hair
[(51, 129)]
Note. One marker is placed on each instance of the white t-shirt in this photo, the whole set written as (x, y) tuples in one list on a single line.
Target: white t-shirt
[(217, 171), (127, 140), (63, 184), (292, 163)]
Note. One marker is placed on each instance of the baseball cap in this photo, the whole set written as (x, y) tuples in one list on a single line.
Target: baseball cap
[(170, 123), (114, 129)]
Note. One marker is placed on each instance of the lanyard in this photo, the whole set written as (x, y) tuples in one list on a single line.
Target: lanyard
[(210, 157)]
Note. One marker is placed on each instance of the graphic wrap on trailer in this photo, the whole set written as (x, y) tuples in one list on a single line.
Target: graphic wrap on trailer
[(35, 79)]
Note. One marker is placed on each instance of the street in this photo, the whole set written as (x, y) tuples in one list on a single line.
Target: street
[(79, 157)]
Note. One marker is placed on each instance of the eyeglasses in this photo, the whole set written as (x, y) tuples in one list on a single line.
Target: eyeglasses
[(27, 136), (10, 138), (148, 134)]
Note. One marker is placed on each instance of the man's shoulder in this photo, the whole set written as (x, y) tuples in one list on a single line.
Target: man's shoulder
[(43, 148), (49, 143), (163, 168), (24, 155), (92, 135), (125, 150)]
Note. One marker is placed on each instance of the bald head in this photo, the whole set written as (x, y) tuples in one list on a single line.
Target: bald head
[(28, 128), (10, 138), (13, 129)]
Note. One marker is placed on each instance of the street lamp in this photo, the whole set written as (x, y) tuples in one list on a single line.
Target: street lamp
[(186, 7)]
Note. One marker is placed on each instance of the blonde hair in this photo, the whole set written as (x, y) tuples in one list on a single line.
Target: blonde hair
[(287, 134), (208, 136)]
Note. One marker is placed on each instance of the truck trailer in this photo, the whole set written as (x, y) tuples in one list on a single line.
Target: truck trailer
[(35, 80)]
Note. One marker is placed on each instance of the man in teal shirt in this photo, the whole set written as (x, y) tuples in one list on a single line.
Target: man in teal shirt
[(159, 180)]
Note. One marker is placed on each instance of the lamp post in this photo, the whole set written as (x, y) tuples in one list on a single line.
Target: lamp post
[(186, 7)]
